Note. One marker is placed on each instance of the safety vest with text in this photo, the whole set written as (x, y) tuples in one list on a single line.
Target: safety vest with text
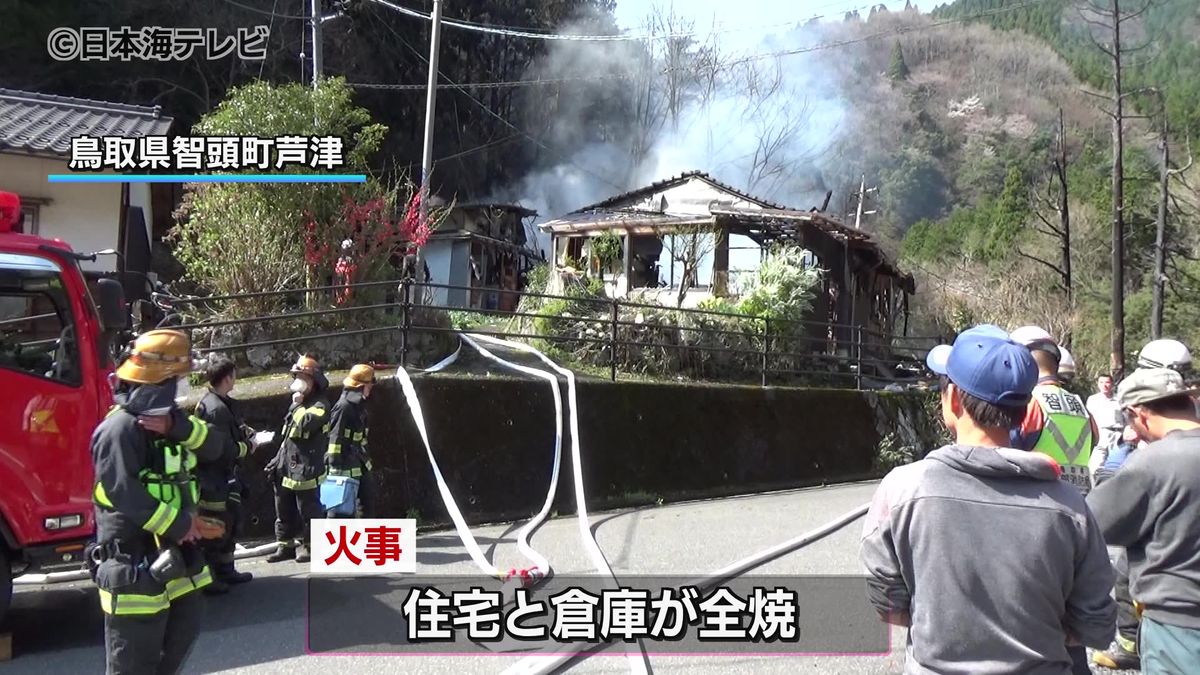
[(1066, 434)]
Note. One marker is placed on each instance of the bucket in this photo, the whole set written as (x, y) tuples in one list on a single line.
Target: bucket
[(339, 494)]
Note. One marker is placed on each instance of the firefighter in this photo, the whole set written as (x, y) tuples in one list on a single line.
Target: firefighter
[(146, 562), (220, 482), (298, 468), (347, 453)]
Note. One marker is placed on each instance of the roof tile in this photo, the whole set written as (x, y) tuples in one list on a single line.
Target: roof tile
[(46, 123)]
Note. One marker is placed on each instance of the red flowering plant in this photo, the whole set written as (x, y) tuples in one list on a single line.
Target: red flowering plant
[(365, 239)]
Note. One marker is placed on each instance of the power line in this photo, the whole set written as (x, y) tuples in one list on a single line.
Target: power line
[(489, 85), (567, 37), (273, 14), (739, 61), (499, 117)]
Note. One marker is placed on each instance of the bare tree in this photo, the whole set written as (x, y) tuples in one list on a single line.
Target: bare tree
[(1056, 200), (689, 245), (1109, 17), (1160, 232)]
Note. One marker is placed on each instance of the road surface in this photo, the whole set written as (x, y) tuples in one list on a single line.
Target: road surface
[(260, 628)]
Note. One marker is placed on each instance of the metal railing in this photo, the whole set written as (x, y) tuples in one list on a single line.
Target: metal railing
[(706, 344)]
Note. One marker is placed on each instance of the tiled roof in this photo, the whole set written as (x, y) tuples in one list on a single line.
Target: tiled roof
[(46, 123), (671, 182)]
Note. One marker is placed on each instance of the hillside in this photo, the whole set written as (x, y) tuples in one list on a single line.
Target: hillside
[(956, 121)]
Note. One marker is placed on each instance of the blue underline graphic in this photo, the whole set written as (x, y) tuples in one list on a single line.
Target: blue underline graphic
[(208, 178)]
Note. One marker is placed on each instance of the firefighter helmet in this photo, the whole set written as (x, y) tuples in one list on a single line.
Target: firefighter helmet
[(1171, 354), (157, 356), (360, 376), (1036, 339), (306, 365)]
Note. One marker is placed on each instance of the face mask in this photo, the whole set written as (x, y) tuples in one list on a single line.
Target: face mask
[(298, 387)]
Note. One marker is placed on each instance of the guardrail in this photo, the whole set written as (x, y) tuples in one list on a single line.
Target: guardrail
[(782, 350)]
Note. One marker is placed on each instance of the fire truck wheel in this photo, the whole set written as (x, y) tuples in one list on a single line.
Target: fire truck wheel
[(6, 586)]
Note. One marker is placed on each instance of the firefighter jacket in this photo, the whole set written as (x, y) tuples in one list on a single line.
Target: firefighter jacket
[(347, 452), (299, 464), (145, 498), (215, 477)]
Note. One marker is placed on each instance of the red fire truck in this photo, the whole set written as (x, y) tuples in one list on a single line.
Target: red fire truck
[(56, 368)]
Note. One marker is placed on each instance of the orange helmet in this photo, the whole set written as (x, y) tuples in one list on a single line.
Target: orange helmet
[(360, 376), (307, 365), (157, 356)]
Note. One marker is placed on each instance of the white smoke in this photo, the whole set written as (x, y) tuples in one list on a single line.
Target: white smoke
[(757, 123)]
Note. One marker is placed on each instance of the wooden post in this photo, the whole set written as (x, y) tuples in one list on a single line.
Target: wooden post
[(766, 351)]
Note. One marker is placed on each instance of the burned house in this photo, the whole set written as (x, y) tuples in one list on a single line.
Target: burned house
[(481, 250), (864, 295)]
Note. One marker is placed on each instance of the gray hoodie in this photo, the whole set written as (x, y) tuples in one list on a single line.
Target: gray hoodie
[(1152, 507), (993, 557)]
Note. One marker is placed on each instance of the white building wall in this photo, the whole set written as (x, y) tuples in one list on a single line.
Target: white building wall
[(84, 215)]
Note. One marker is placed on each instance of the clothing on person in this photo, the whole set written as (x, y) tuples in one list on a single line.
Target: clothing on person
[(145, 499), (954, 526), (1057, 424), (1167, 649), (299, 467), (130, 640), (1109, 424), (347, 451), (220, 486), (1152, 508)]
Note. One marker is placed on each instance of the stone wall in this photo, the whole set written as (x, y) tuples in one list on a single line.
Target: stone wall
[(335, 352), (642, 443)]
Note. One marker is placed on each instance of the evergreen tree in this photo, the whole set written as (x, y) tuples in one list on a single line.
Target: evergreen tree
[(898, 69)]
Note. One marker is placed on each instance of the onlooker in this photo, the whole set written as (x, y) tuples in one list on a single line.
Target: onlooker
[(1103, 408), (947, 539), (1056, 422), (1152, 508), (1123, 655)]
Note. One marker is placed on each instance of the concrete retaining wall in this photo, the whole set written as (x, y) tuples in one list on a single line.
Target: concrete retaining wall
[(641, 443)]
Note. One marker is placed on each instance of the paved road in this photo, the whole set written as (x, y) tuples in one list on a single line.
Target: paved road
[(260, 628)]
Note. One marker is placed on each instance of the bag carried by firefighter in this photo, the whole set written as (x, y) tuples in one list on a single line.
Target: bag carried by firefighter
[(339, 494)]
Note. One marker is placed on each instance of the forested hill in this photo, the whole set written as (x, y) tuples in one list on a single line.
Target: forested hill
[(956, 121), (1170, 28)]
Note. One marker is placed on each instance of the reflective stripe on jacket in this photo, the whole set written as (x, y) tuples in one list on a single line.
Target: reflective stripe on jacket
[(300, 461), (346, 454)]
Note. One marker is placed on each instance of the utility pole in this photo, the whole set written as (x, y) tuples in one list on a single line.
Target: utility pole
[(430, 105), (317, 62), (862, 198)]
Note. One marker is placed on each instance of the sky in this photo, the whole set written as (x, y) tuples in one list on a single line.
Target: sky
[(752, 13)]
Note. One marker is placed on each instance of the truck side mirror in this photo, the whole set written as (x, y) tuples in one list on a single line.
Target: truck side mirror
[(111, 301)]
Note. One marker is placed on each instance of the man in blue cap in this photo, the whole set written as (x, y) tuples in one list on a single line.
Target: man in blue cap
[(993, 563)]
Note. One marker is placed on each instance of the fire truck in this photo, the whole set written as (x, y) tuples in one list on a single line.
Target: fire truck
[(58, 333)]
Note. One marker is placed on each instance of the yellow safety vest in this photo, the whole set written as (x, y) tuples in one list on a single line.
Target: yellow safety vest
[(1067, 434)]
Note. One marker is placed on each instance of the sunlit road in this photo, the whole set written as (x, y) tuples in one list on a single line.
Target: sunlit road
[(260, 628)]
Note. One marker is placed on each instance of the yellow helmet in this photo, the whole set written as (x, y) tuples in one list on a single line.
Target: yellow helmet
[(307, 365), (360, 376), (157, 356)]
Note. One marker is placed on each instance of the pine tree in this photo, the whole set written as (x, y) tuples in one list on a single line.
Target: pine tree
[(898, 69)]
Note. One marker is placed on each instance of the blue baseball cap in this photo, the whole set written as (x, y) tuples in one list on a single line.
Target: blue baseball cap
[(986, 364)]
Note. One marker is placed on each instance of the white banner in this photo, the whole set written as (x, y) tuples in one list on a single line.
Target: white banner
[(364, 546)]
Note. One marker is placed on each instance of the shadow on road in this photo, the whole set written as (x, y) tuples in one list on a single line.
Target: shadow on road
[(60, 630)]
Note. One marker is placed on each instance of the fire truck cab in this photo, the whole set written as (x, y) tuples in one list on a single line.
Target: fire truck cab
[(56, 370)]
